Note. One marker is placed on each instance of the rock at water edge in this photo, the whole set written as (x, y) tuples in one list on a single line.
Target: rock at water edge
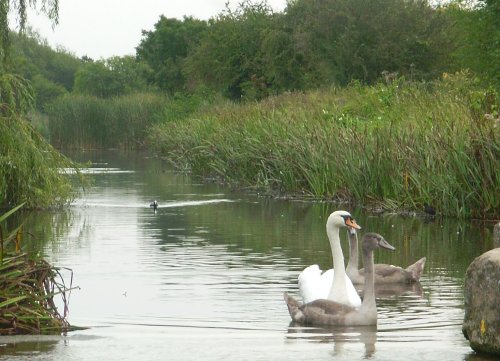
[(481, 324)]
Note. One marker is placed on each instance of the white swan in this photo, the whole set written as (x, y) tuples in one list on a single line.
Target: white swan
[(326, 312), (331, 285)]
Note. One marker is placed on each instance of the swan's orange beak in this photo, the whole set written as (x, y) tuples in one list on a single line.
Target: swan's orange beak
[(350, 222)]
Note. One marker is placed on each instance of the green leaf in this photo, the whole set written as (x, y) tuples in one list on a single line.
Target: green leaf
[(13, 210), (12, 300)]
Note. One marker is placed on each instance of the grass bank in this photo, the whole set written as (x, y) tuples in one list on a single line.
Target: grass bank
[(398, 146)]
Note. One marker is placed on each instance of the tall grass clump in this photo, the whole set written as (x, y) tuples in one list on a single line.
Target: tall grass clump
[(398, 145)]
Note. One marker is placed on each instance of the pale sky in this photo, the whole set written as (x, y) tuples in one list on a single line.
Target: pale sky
[(104, 28)]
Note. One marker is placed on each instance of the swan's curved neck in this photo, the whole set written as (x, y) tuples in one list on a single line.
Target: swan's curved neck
[(353, 264), (339, 274)]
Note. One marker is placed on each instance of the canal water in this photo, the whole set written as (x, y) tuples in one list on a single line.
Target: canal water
[(203, 277)]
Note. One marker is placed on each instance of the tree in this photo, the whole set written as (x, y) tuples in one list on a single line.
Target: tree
[(344, 40), (31, 170), (112, 77), (47, 7), (229, 56), (16, 96), (166, 47), (31, 56), (487, 45)]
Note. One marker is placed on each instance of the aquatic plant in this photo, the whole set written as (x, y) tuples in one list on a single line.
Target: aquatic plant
[(398, 145), (28, 286)]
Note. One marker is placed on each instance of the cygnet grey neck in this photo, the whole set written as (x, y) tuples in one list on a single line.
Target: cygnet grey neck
[(369, 285)]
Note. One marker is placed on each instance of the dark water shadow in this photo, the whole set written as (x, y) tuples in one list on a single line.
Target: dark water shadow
[(477, 356)]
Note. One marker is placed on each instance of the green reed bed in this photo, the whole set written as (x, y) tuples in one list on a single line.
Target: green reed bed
[(80, 121), (28, 288), (83, 121), (397, 146)]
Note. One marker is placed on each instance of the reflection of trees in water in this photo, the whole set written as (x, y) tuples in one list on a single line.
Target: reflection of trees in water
[(57, 231), (29, 345)]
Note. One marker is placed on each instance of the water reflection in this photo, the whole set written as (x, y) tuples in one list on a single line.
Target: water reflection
[(391, 290), (208, 270), (341, 337)]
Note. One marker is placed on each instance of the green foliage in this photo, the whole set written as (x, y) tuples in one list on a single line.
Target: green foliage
[(31, 170), (46, 91), (112, 77), (48, 7), (32, 56), (342, 40), (78, 121), (166, 48), (51, 73), (16, 95), (251, 52), (229, 57), (399, 145), (477, 33)]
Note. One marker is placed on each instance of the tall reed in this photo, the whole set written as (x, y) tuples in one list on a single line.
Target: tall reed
[(82, 121), (399, 146)]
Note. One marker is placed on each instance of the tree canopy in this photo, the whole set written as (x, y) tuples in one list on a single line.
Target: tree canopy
[(166, 47), (252, 52), (20, 7)]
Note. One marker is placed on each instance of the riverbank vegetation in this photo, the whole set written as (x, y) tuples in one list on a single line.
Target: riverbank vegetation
[(29, 287), (32, 172), (396, 146)]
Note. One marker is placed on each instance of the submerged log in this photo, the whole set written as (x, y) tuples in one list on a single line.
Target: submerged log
[(481, 324)]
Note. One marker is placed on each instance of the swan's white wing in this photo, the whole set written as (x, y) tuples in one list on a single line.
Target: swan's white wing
[(326, 282), (314, 285)]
